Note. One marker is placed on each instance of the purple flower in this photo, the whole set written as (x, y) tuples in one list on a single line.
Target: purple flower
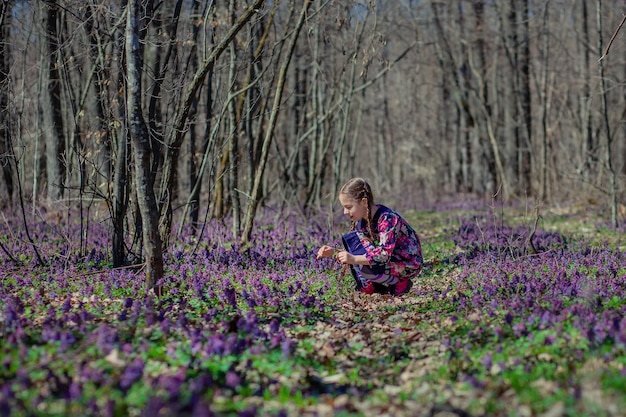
[(173, 383), (132, 373), (165, 326), (202, 409), (550, 339), (519, 329), (67, 304), (232, 379), (10, 315), (153, 407), (201, 383), (249, 412), (67, 340), (75, 391), (475, 382), (215, 345), (487, 361), (274, 325), (286, 347)]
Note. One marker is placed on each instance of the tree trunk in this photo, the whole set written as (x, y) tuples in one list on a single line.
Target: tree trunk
[(317, 157), (101, 104), (121, 192), (543, 190), (588, 143), (219, 202), (120, 200), (52, 107), (490, 155), (233, 134), (140, 138), (6, 162), (512, 81), (458, 90), (608, 163), (195, 179), (159, 59), (525, 97)]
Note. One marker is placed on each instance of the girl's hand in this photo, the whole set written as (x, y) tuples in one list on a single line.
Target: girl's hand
[(325, 251), (345, 257)]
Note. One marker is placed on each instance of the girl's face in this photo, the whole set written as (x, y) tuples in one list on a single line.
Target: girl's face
[(355, 209)]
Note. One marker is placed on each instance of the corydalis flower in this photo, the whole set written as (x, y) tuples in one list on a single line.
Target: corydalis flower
[(75, 391), (286, 347), (229, 295), (487, 361), (132, 373), (232, 379), (173, 383), (249, 412)]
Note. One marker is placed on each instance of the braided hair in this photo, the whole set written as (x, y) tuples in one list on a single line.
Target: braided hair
[(357, 189)]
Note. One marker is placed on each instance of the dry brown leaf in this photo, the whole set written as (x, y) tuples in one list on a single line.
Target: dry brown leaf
[(114, 359), (545, 357), (557, 410), (333, 379), (327, 350)]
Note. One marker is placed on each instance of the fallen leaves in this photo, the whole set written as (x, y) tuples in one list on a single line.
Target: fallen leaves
[(375, 343), (115, 359)]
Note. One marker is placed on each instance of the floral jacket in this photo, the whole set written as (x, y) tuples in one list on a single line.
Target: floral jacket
[(397, 246)]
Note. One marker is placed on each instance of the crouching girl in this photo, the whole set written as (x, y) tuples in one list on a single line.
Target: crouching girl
[(382, 250)]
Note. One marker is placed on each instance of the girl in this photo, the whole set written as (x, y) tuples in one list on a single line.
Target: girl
[(382, 250)]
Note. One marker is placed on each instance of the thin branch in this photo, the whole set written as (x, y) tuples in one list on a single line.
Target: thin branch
[(8, 254), (531, 236), (606, 51)]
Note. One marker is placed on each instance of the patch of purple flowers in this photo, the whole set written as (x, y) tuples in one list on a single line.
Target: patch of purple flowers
[(94, 330), (557, 285)]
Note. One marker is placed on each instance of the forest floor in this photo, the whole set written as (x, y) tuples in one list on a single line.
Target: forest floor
[(514, 314)]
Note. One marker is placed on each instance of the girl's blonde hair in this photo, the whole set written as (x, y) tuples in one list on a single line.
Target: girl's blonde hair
[(358, 189)]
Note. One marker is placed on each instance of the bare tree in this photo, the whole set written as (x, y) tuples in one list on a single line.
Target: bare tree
[(278, 96), (193, 205), (523, 81), (459, 91), (137, 15), (545, 106), (608, 162), (176, 135), (54, 129), (233, 135), (243, 110), (586, 129), (8, 173)]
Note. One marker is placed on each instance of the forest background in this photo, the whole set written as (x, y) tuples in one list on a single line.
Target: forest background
[(155, 116)]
